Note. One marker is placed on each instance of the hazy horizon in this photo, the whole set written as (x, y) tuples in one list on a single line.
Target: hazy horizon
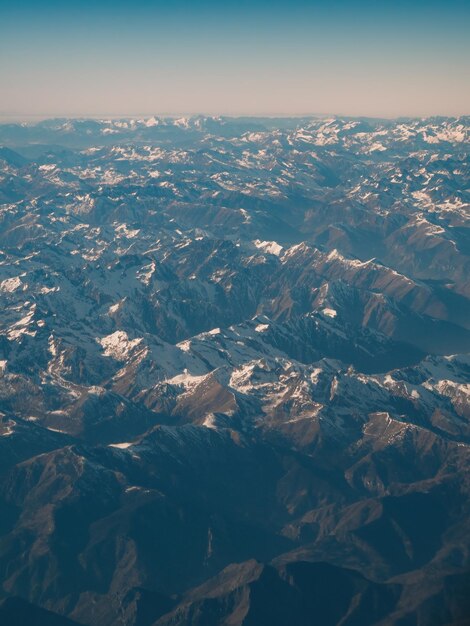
[(37, 118), (359, 58)]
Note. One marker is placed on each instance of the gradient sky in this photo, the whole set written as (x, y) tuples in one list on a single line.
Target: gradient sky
[(384, 59)]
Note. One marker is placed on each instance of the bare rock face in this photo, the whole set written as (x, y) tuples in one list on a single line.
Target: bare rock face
[(234, 373)]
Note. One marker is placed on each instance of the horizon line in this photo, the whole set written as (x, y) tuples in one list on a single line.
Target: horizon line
[(18, 117)]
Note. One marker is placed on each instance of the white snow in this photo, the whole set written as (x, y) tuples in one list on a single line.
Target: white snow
[(152, 121), (185, 346), (8, 431), (146, 272), (334, 254), (333, 388), (246, 216), (270, 247), (10, 284), (377, 147), (123, 230), (261, 328), (187, 380), (253, 375), (118, 345), (457, 135), (449, 387), (21, 327), (210, 421), (315, 374), (114, 308), (96, 390)]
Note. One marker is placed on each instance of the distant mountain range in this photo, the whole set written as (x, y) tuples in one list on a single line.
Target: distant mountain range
[(235, 372)]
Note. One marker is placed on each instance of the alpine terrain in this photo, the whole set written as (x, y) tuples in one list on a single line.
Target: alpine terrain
[(235, 372)]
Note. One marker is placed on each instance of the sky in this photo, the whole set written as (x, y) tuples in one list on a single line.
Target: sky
[(80, 58)]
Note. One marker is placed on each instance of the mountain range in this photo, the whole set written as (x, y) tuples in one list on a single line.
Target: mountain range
[(235, 372)]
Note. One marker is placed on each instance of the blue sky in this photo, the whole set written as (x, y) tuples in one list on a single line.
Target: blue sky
[(235, 58)]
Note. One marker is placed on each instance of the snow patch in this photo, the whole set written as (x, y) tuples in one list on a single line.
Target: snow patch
[(10, 284), (145, 273), (114, 308), (118, 345), (270, 247), (7, 432), (187, 380), (123, 230), (210, 421), (261, 328), (185, 346)]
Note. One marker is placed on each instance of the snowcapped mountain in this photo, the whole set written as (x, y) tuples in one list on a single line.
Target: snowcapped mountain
[(234, 365)]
